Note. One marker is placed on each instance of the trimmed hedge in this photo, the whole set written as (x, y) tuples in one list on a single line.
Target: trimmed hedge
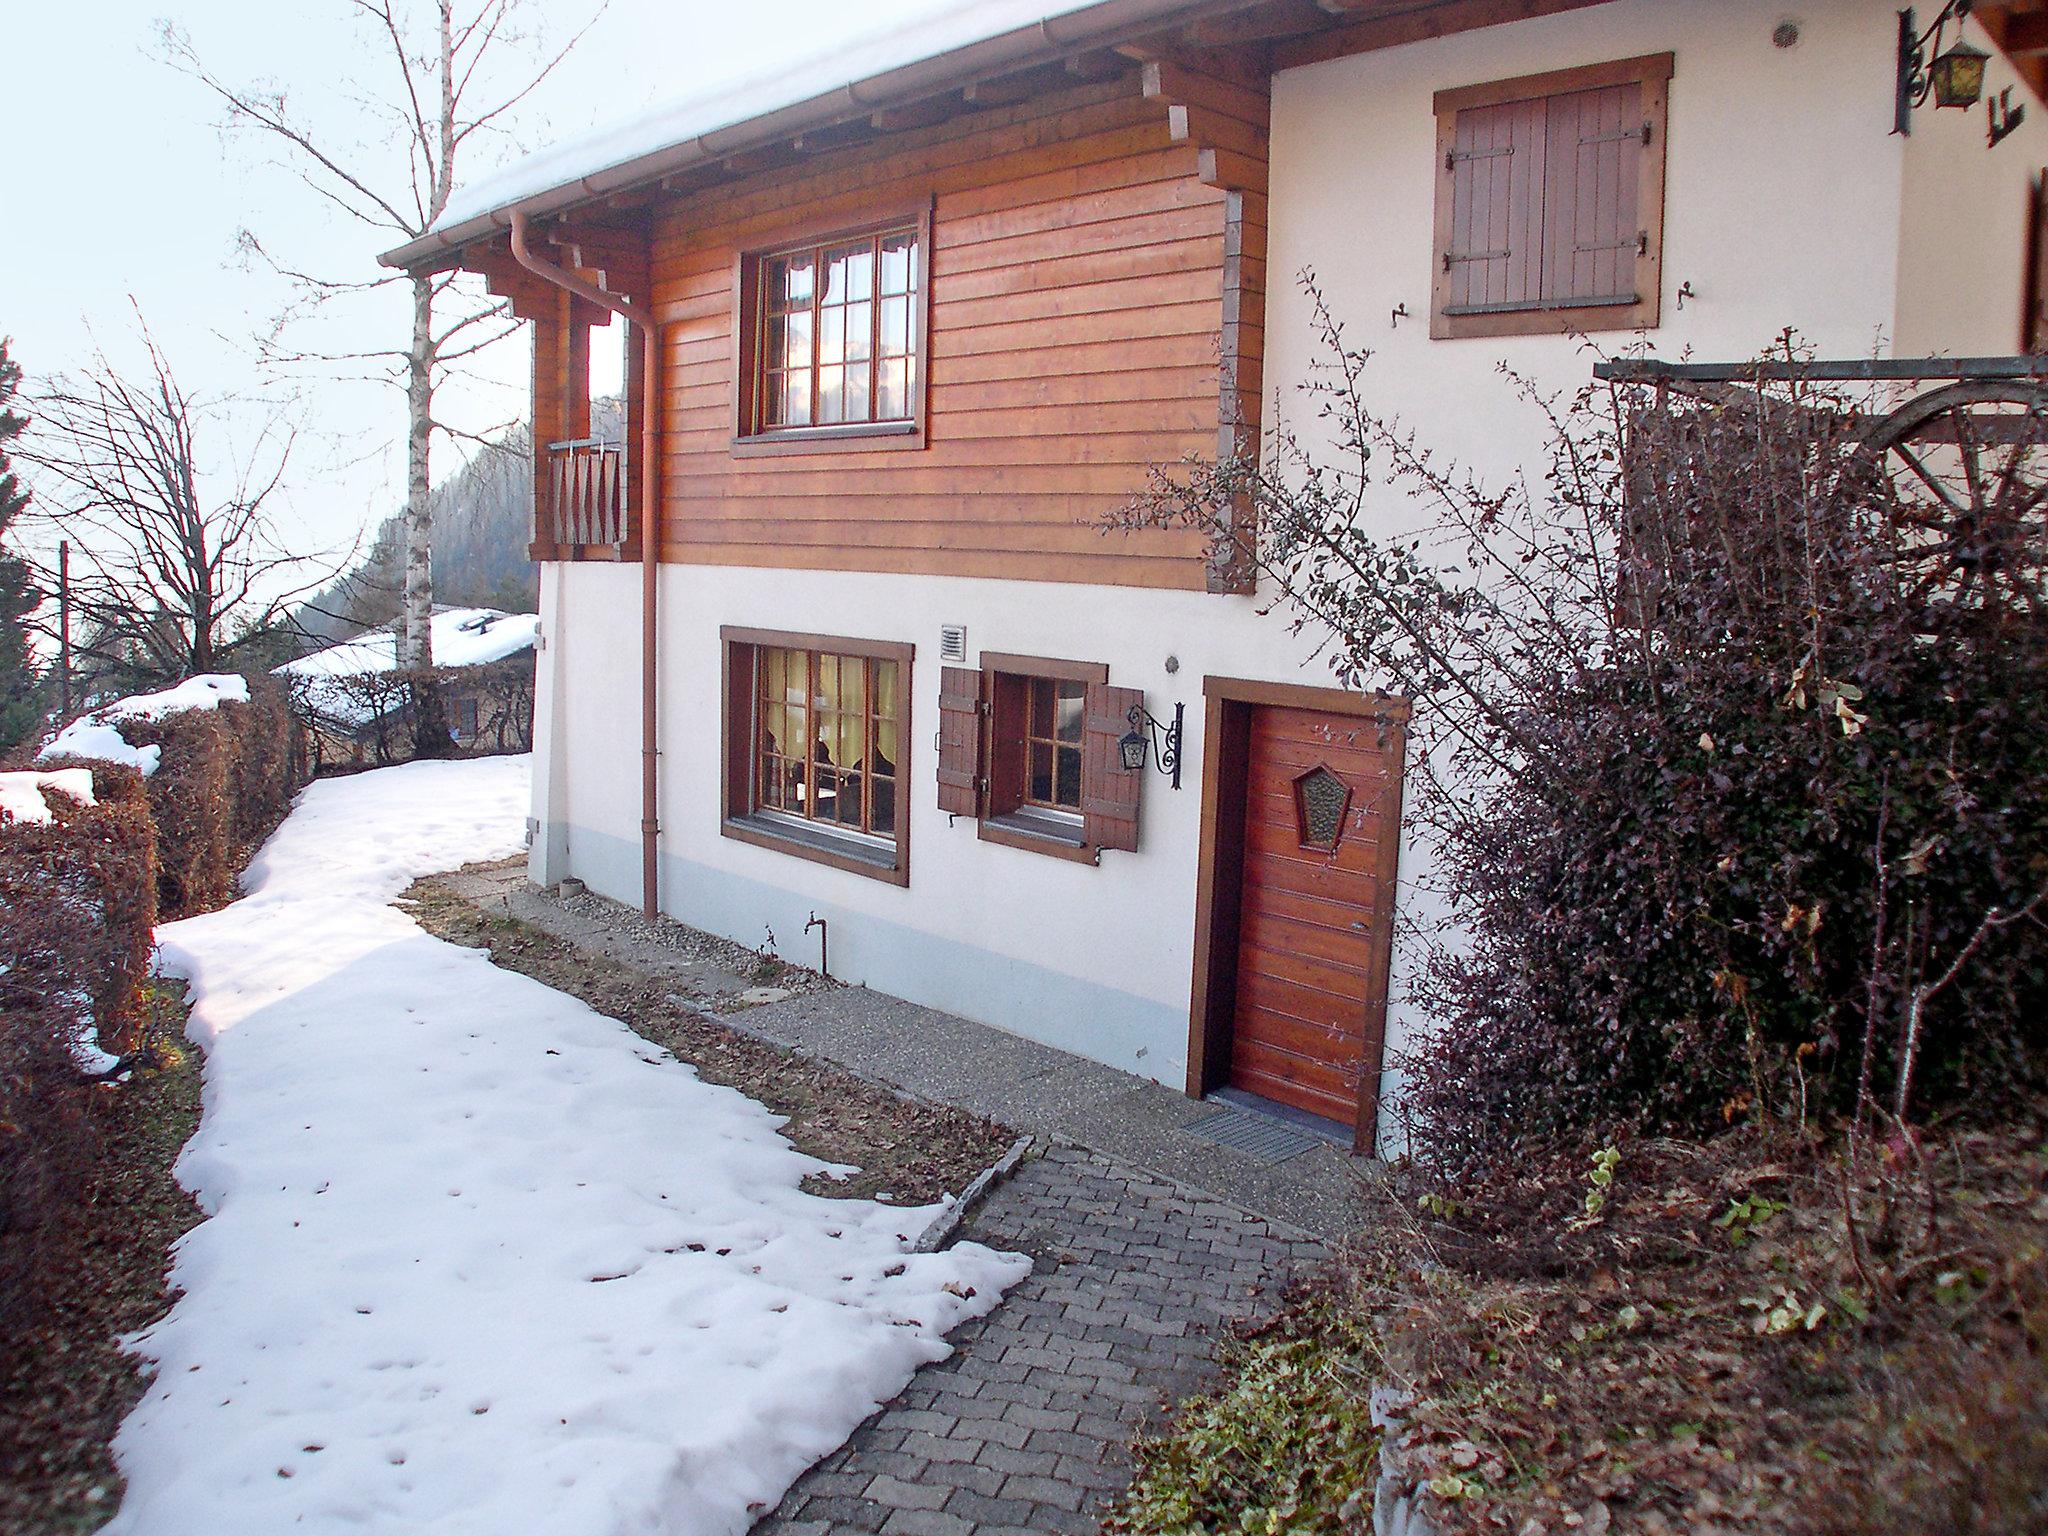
[(225, 777), (77, 906), (80, 897)]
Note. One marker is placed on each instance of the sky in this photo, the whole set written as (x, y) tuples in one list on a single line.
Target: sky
[(119, 182)]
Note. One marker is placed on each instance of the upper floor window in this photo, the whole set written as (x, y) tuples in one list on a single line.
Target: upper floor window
[(835, 338), (1550, 201)]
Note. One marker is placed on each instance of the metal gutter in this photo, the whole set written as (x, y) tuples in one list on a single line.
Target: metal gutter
[(650, 541), (1039, 43)]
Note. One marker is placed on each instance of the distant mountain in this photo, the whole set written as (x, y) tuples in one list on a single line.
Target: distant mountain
[(483, 521)]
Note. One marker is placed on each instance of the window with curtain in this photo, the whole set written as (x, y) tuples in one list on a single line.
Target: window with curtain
[(837, 334), (815, 734)]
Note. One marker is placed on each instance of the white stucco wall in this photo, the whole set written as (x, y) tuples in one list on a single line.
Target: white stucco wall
[(1781, 201), (1094, 959), (1783, 208), (1963, 224)]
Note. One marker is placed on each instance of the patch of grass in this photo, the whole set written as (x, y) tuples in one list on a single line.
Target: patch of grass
[(1288, 1446), (67, 1386)]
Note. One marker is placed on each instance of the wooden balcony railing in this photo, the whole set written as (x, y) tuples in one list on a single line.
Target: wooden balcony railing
[(583, 503)]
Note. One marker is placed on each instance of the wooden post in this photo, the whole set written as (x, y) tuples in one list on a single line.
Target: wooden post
[(64, 628)]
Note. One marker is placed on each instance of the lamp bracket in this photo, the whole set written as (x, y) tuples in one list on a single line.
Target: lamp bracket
[(2005, 117), (1164, 739), (1915, 49)]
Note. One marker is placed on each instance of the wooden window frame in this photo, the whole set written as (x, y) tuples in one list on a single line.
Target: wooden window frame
[(1654, 73), (1011, 826), (739, 817), (749, 321)]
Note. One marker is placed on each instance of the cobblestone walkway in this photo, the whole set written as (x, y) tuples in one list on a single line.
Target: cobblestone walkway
[(1026, 1427)]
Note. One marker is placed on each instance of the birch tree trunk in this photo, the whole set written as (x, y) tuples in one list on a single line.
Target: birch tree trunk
[(441, 53), (416, 615)]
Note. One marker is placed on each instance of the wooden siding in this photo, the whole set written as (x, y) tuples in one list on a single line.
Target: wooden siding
[(1082, 278)]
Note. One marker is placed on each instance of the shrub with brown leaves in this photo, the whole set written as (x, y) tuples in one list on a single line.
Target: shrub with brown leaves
[(1738, 802), (77, 909), (225, 778)]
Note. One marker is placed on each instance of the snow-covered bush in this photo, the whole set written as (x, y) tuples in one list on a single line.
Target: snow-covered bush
[(221, 767)]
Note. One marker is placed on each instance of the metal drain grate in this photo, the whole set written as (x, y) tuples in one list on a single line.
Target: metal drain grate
[(1261, 1136)]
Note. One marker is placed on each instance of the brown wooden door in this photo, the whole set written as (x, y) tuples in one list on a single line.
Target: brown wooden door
[(1321, 825)]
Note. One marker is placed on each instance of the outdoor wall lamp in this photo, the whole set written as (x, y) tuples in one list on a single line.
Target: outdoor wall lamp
[(1150, 737), (1954, 76)]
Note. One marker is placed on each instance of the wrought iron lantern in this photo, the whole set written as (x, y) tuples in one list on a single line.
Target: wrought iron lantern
[(1958, 75), (1953, 76), (1148, 737)]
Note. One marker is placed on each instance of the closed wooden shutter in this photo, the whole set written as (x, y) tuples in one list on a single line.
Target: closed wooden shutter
[(1495, 256), (1109, 792), (2034, 326), (959, 741), (1592, 168), (1549, 207)]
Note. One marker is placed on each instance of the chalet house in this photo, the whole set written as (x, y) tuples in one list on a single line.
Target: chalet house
[(833, 635)]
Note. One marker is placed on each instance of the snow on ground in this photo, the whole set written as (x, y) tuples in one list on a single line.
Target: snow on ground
[(98, 735), (480, 1259), (462, 637), (21, 794)]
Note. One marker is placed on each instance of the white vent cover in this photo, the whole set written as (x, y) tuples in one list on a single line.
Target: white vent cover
[(952, 642)]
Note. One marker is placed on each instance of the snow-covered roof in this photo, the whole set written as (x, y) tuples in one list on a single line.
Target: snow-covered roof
[(98, 735), (463, 637), (962, 42)]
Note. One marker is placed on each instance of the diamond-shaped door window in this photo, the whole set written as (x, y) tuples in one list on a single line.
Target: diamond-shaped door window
[(1320, 800)]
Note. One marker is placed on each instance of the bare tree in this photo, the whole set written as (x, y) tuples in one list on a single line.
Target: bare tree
[(438, 55), (169, 577)]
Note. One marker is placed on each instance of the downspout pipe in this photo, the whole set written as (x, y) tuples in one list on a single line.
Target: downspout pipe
[(650, 511)]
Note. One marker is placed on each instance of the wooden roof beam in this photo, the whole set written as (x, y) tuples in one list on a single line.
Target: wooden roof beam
[(1405, 21), (2026, 34), (1008, 90), (1245, 65), (927, 113), (1261, 24), (768, 157), (1099, 64), (835, 136)]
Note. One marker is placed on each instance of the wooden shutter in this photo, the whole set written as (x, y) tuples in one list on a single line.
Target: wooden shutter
[(1592, 236), (1550, 201), (2034, 323), (960, 741), (1493, 256), (1109, 792)]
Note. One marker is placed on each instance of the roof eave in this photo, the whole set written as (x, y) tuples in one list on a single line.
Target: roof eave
[(1095, 26)]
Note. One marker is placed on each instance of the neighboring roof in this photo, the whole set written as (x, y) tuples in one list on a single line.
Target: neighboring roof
[(463, 637), (955, 46)]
